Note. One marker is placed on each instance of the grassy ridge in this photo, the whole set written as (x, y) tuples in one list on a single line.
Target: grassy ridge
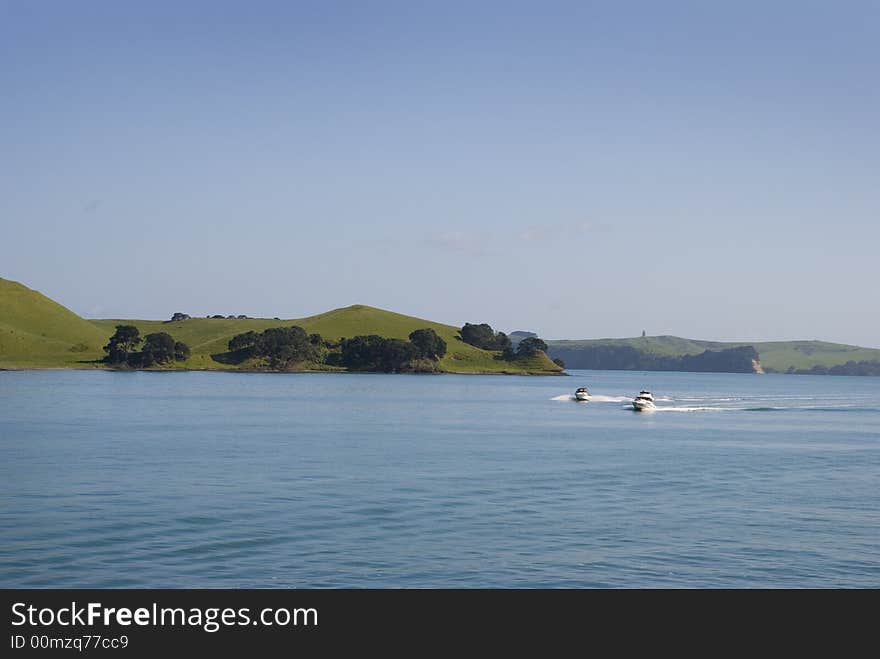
[(776, 355), (209, 336), (781, 355), (36, 331), (671, 346)]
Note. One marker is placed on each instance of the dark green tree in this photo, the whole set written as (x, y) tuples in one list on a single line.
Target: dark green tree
[(530, 347), (181, 351), (362, 353), (502, 342), (430, 345), (319, 348), (122, 344), (483, 336), (285, 345), (375, 353), (158, 349), (282, 346), (244, 341), (397, 355)]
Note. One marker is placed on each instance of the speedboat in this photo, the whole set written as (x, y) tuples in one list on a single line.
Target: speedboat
[(644, 401), (582, 393)]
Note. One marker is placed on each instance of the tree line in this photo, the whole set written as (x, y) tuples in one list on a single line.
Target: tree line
[(283, 348), (159, 348), (179, 316), (865, 367), (483, 336), (286, 348)]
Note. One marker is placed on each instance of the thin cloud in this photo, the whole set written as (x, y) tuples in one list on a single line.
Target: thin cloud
[(475, 242), (556, 231), (460, 241), (536, 234)]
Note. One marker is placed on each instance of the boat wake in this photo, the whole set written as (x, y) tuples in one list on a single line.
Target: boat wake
[(611, 399), (594, 398), (729, 404), (764, 408)]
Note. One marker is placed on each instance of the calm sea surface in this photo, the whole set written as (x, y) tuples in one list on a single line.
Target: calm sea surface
[(336, 480)]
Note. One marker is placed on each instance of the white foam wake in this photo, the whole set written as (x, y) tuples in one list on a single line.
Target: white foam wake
[(594, 398), (611, 399)]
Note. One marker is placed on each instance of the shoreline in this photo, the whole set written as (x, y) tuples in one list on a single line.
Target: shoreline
[(304, 371), (564, 373)]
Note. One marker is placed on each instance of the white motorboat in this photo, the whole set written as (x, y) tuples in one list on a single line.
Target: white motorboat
[(582, 393), (643, 402)]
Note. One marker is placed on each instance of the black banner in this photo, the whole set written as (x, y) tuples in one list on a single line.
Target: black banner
[(131, 622)]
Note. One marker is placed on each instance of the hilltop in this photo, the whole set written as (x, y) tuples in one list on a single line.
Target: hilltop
[(37, 332)]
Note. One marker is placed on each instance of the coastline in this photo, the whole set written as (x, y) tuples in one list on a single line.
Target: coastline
[(256, 370)]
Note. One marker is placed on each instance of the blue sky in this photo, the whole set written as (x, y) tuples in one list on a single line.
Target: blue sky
[(578, 169)]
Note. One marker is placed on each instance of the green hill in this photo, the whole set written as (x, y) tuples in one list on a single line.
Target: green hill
[(782, 355), (210, 336), (36, 331), (774, 355)]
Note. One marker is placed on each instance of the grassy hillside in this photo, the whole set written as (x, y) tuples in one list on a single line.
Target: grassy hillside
[(782, 355), (660, 345), (776, 355), (36, 331), (209, 336)]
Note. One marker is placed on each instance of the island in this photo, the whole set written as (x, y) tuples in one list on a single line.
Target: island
[(37, 332)]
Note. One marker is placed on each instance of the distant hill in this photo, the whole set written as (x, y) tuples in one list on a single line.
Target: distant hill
[(778, 356), (36, 331)]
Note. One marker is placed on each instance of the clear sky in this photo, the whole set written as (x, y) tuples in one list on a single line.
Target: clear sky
[(584, 169)]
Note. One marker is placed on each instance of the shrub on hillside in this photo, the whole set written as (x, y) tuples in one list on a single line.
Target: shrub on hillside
[(483, 336)]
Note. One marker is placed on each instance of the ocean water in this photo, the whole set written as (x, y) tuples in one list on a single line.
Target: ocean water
[(338, 480)]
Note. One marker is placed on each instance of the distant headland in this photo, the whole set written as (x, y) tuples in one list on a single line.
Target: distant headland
[(672, 353)]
